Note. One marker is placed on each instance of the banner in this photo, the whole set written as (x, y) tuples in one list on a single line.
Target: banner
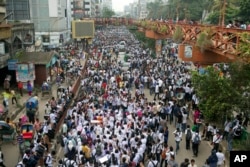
[(25, 72)]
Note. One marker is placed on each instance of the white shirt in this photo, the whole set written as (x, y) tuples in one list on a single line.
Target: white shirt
[(152, 163), (178, 135), (221, 158), (190, 165), (184, 118)]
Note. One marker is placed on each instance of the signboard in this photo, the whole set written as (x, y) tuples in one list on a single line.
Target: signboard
[(25, 72), (12, 64), (83, 29), (188, 51)]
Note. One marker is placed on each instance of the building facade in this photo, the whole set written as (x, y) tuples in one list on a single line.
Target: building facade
[(19, 8), (106, 4), (51, 21)]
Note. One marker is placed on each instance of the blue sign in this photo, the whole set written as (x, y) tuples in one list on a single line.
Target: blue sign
[(12, 64)]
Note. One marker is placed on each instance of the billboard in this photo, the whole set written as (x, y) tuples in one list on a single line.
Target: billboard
[(25, 72), (83, 29)]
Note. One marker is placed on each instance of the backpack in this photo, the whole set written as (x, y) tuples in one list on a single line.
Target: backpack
[(150, 140), (188, 135), (155, 165), (98, 149), (163, 153), (196, 139)]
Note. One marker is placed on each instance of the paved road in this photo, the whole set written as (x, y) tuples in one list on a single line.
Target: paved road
[(204, 149), (11, 152)]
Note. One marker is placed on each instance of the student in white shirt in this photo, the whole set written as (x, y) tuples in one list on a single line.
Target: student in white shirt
[(178, 135), (221, 158)]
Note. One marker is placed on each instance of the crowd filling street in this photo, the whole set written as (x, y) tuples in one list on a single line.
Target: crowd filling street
[(121, 116)]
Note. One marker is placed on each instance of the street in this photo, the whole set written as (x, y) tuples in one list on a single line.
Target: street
[(11, 152)]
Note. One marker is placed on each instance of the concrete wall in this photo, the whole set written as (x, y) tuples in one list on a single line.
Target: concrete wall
[(202, 58)]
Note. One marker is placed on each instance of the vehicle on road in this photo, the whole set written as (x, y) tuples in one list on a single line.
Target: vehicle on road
[(7, 132)]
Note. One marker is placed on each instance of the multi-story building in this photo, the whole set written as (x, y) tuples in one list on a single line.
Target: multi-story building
[(2, 9), (98, 4), (90, 7), (77, 9), (83, 8), (19, 8), (107, 4), (16, 31), (131, 10), (51, 21)]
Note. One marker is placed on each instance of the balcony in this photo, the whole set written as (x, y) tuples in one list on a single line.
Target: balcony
[(2, 2), (5, 31)]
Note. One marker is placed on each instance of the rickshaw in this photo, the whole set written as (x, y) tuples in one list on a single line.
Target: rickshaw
[(31, 108), (46, 89), (27, 131), (7, 132)]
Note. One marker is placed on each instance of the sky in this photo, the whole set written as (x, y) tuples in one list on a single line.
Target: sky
[(118, 5)]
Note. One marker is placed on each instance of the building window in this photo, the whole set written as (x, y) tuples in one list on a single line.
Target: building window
[(45, 38)]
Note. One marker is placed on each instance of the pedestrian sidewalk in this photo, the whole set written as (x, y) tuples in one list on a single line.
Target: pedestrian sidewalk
[(14, 109)]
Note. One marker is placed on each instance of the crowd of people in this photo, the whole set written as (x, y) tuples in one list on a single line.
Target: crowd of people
[(113, 122), (121, 116)]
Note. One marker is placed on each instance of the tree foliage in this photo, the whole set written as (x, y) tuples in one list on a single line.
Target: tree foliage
[(244, 47), (214, 94), (204, 40), (107, 13), (244, 12), (198, 10), (178, 35), (220, 92)]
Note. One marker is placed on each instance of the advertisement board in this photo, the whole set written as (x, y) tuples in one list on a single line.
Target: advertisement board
[(12, 64), (83, 29), (25, 72)]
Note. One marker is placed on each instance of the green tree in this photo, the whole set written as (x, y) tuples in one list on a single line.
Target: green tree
[(244, 11), (153, 8), (178, 35), (215, 93), (244, 47), (215, 12), (107, 13)]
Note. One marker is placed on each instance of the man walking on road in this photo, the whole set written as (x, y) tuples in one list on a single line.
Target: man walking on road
[(196, 138), (178, 135)]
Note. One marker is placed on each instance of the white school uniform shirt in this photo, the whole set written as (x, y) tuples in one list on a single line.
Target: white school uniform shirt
[(178, 135)]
